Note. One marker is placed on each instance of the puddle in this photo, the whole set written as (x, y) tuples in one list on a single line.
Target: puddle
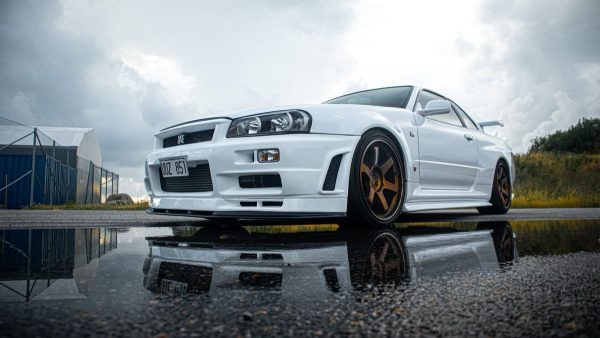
[(243, 272)]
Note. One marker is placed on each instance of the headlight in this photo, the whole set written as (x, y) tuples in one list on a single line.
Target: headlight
[(281, 122)]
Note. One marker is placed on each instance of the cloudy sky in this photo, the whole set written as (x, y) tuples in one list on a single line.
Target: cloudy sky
[(128, 68)]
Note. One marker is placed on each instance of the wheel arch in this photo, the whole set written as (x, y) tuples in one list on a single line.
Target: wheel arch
[(402, 148), (510, 163)]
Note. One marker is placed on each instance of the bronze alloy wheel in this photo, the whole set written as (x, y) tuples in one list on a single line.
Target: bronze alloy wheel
[(385, 262), (503, 185), (380, 179), (506, 246), (500, 198)]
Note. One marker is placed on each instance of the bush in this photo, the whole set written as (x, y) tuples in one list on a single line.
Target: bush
[(584, 137), (557, 180)]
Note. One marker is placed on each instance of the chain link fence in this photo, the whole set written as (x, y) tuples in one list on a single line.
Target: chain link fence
[(35, 169)]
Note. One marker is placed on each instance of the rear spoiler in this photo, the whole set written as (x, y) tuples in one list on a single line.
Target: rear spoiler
[(491, 124)]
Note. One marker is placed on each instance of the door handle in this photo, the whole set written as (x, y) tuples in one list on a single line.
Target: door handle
[(469, 137)]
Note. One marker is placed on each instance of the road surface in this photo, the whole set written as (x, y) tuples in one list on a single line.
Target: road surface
[(77, 218)]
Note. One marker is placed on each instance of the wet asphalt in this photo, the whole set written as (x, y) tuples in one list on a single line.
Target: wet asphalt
[(457, 279), (89, 218), (539, 297)]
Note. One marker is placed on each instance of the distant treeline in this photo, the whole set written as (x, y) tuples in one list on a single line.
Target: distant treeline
[(584, 137), (550, 180), (561, 169)]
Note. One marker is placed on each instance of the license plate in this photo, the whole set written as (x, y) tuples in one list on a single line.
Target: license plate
[(174, 168), (172, 287)]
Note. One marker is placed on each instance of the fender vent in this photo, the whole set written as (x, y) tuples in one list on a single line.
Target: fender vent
[(331, 279), (332, 173)]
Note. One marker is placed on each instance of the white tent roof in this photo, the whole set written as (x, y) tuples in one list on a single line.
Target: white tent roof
[(66, 137), (84, 139)]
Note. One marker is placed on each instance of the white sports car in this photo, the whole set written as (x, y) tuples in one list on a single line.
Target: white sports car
[(367, 156)]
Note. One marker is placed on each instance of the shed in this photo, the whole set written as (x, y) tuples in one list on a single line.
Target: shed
[(68, 166)]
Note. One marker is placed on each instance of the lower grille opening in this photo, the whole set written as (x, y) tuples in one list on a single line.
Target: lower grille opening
[(184, 278), (332, 173), (272, 203), (177, 212), (198, 180), (260, 181), (248, 204), (272, 257), (181, 212), (252, 256), (261, 280)]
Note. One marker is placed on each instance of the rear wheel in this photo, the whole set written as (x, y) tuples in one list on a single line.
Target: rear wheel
[(501, 192), (376, 189)]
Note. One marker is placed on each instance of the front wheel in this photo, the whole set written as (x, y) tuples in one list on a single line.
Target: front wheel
[(501, 192), (376, 190)]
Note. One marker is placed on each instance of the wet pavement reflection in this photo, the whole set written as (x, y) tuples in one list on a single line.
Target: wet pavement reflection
[(489, 278)]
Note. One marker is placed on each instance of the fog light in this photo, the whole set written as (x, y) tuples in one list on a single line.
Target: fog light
[(268, 155)]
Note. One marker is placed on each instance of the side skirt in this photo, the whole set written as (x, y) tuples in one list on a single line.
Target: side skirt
[(435, 205), (245, 215)]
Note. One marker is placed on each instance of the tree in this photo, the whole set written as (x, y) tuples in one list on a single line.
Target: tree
[(584, 137)]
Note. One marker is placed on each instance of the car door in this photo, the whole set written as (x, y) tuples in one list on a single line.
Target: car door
[(448, 151)]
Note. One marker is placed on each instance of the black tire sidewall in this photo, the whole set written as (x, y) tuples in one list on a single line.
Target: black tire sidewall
[(358, 210), (497, 207)]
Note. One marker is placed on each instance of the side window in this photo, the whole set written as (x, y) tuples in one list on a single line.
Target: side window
[(450, 118), (425, 97), (468, 122)]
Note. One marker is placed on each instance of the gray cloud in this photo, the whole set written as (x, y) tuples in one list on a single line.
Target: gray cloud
[(52, 77), (540, 66), (64, 63)]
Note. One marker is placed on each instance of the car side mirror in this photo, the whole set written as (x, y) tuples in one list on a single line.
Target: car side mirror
[(436, 107)]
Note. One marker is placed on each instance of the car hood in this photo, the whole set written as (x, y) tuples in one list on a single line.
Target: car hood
[(341, 111)]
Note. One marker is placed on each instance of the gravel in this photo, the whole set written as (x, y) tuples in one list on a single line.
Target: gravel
[(555, 295)]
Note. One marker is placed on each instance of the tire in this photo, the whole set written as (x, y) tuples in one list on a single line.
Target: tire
[(376, 257), (501, 192), (504, 241), (377, 182)]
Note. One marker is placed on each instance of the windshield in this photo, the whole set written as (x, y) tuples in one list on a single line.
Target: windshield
[(396, 97)]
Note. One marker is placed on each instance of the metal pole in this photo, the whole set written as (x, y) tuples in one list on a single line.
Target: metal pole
[(54, 172), (106, 184), (69, 178), (28, 264), (101, 177), (46, 181), (32, 168), (117, 184), (93, 172), (112, 183), (6, 190)]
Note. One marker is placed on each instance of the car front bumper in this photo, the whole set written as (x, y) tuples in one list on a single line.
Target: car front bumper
[(303, 165)]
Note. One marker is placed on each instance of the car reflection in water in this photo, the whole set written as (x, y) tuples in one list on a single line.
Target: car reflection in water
[(219, 260)]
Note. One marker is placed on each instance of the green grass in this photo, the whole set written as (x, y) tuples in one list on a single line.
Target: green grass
[(72, 206), (547, 180)]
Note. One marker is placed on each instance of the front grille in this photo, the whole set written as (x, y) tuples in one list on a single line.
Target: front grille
[(187, 138), (198, 181), (195, 279)]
